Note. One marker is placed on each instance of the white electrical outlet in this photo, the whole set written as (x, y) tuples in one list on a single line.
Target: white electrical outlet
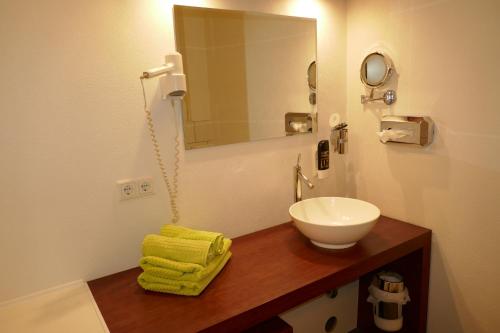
[(145, 186), (127, 188), (135, 188)]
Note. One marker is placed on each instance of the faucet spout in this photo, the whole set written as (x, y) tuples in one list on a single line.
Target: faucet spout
[(305, 179), (299, 178)]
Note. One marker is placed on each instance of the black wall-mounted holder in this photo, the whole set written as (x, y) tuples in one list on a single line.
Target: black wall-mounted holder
[(323, 158)]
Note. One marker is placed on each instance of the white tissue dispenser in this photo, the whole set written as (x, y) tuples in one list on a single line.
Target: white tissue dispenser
[(415, 130)]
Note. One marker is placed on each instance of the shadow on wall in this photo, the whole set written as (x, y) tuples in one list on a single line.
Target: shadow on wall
[(446, 297), (439, 192), (421, 174), (378, 110), (350, 177), (441, 299)]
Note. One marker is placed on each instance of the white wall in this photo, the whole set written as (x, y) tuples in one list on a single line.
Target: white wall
[(72, 124), (446, 55)]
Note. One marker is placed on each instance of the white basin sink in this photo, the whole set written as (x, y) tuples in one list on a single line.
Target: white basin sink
[(334, 222)]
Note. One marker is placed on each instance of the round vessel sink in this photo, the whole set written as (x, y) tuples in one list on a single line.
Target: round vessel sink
[(334, 222)]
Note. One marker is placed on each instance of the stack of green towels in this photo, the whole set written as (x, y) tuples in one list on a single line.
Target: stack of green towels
[(182, 261)]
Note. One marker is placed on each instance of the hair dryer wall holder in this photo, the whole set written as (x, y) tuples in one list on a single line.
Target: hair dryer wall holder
[(172, 78)]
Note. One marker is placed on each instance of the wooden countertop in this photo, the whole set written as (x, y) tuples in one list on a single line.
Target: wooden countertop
[(271, 270)]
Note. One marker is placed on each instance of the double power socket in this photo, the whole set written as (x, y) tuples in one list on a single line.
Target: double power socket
[(135, 188)]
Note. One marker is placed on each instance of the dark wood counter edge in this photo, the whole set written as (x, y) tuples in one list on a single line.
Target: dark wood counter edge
[(424, 283), (301, 295), (272, 308)]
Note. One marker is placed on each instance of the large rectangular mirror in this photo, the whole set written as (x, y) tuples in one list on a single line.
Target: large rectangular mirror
[(245, 72)]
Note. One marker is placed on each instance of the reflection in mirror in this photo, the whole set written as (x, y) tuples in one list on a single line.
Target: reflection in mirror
[(244, 71), (375, 70), (311, 81), (311, 76)]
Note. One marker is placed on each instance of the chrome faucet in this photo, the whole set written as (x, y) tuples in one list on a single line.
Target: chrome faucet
[(299, 178)]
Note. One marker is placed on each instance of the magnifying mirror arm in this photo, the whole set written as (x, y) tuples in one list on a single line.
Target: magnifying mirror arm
[(389, 97), (365, 99)]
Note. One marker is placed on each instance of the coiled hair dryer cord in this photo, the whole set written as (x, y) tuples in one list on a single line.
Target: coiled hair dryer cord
[(172, 188)]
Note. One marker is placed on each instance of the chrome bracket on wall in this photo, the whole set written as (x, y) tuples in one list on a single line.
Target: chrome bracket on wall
[(338, 138), (389, 97), (415, 130)]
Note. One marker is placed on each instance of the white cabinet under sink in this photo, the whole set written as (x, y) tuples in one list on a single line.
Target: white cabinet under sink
[(311, 317)]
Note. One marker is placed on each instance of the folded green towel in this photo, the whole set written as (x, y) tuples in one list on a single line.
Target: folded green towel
[(178, 249), (171, 269), (188, 288), (215, 238)]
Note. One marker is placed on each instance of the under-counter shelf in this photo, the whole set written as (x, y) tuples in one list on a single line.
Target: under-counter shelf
[(271, 271)]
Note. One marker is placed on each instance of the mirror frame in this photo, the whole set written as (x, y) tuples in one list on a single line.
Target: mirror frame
[(389, 67)]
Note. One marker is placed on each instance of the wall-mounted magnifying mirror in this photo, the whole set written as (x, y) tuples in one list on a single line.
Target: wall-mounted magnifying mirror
[(376, 70)]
